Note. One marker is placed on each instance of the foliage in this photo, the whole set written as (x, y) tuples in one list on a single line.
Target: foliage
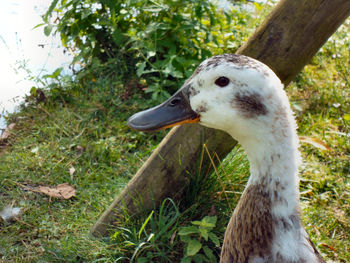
[(161, 41), (150, 242), (195, 237)]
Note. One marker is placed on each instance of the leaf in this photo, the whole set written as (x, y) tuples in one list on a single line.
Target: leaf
[(188, 230), (172, 238), (170, 70), (186, 260), (85, 13), (153, 9), (209, 253), (145, 223), (7, 132), (151, 54), (47, 30), (64, 191), (54, 75), (206, 222), (204, 233), (199, 258), (57, 72), (210, 220), (140, 69), (185, 239), (79, 150), (49, 11), (9, 213), (193, 247), (39, 25), (142, 260), (214, 238), (347, 117), (71, 172), (328, 246), (315, 142)]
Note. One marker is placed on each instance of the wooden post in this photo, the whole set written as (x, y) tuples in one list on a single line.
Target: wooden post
[(286, 41)]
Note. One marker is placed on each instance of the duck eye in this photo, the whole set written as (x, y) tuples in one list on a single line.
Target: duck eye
[(222, 81)]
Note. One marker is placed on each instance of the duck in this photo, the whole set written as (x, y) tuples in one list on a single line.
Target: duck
[(245, 98)]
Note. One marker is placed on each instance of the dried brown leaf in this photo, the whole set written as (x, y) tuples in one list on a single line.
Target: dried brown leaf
[(79, 151), (71, 172), (315, 142), (7, 132), (64, 191), (328, 246)]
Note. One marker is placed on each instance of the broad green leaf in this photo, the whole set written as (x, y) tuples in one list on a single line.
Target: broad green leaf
[(57, 72), (140, 69), (209, 253), (204, 233), (54, 75), (85, 13), (188, 230), (186, 260), (193, 247), (185, 239), (214, 238), (199, 258), (210, 219), (347, 117), (142, 260), (47, 30), (207, 222), (170, 70), (150, 54), (203, 224), (33, 91)]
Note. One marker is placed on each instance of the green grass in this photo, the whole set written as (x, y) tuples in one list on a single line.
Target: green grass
[(321, 96), (44, 147), (47, 142)]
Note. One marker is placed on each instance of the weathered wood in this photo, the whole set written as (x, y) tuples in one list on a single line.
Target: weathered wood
[(293, 32), (286, 41), (159, 178)]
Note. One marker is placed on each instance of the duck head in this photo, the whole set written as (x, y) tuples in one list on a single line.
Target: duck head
[(234, 93)]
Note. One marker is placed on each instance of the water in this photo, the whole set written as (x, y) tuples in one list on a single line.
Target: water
[(24, 51), (2, 124)]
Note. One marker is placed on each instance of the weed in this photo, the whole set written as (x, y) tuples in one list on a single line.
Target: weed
[(195, 237)]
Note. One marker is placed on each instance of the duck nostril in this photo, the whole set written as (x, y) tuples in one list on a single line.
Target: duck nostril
[(175, 102)]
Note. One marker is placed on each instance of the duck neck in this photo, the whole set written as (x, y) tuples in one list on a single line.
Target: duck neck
[(265, 225), (274, 159), (274, 170)]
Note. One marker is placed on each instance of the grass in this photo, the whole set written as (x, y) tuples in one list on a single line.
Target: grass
[(321, 98), (85, 128), (45, 146)]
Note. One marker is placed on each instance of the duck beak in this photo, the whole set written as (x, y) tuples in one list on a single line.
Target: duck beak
[(175, 111)]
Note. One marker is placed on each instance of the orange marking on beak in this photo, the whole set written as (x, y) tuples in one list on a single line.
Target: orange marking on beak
[(197, 119)]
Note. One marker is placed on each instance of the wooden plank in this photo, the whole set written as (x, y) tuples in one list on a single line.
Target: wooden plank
[(286, 41)]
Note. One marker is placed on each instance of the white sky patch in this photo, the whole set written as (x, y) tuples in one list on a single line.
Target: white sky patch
[(19, 45)]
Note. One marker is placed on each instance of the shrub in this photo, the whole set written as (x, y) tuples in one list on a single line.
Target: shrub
[(161, 41)]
